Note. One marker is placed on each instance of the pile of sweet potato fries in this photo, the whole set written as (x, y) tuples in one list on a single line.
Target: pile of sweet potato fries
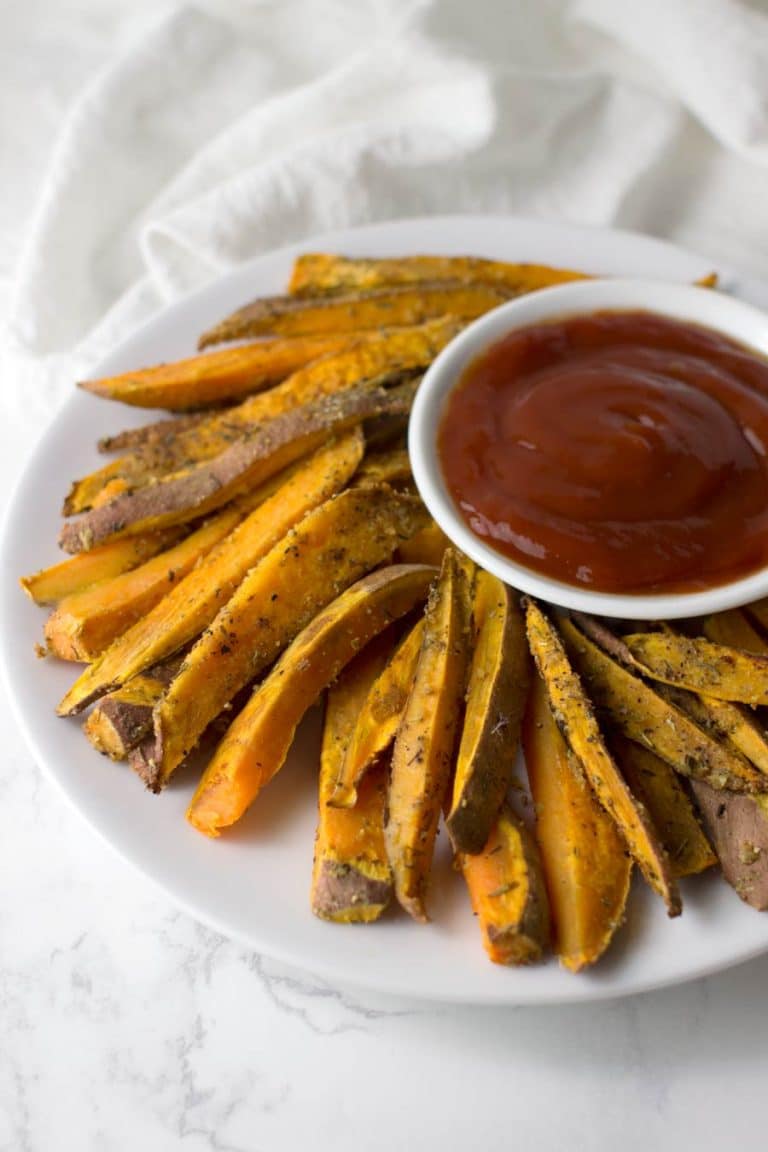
[(265, 548)]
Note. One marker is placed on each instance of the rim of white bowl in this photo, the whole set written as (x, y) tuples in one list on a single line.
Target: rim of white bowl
[(703, 306)]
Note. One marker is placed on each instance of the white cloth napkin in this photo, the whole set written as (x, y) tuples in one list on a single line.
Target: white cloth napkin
[(226, 129)]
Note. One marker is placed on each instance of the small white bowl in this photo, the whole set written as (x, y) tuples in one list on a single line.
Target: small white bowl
[(701, 306)]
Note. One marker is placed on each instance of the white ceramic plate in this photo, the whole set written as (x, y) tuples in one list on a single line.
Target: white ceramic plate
[(253, 883)]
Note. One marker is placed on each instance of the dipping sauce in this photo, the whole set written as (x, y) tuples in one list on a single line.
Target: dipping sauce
[(620, 451)]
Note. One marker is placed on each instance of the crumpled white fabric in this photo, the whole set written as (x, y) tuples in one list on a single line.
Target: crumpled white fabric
[(224, 129)]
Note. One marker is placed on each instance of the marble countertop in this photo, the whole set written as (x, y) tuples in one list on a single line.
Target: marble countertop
[(125, 1024)]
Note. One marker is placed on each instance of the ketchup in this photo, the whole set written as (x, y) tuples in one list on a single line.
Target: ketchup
[(620, 451)]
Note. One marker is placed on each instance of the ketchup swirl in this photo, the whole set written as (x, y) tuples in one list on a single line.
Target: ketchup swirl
[(622, 451)]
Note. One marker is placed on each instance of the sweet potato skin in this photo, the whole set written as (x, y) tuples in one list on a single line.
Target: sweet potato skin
[(573, 712), (497, 687), (86, 623), (195, 601), (377, 719), (585, 862), (657, 785), (333, 546), (738, 829), (648, 718), (425, 742), (508, 893), (243, 466), (403, 306), (257, 743), (351, 876), (122, 719)]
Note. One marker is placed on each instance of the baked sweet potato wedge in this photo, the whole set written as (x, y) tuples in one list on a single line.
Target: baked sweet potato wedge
[(86, 623), (401, 306), (331, 548), (424, 746), (173, 445), (757, 610), (351, 876), (735, 630), (738, 829), (377, 719), (387, 354), (318, 273), (575, 717), (734, 725), (426, 547), (322, 273), (643, 715), (245, 465), (258, 741), (508, 893), (226, 374), (585, 862), (731, 725), (658, 786), (194, 602), (122, 719), (497, 687), (108, 482), (697, 664), (387, 467), (77, 573)]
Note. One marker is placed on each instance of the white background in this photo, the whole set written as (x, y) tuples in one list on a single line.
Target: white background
[(126, 1025)]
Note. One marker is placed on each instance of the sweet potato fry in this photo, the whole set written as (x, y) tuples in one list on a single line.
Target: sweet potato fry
[(377, 718), (191, 606), (508, 893), (173, 445), (402, 306), (730, 724), (586, 865), (332, 547), (77, 573), (243, 466), (426, 547), (659, 788), (122, 719), (321, 273), (575, 718), (735, 630), (318, 273), (758, 610), (351, 876), (106, 483), (425, 742), (738, 829), (701, 666), (637, 710), (86, 623), (227, 374), (388, 356), (258, 741), (497, 687), (388, 467)]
